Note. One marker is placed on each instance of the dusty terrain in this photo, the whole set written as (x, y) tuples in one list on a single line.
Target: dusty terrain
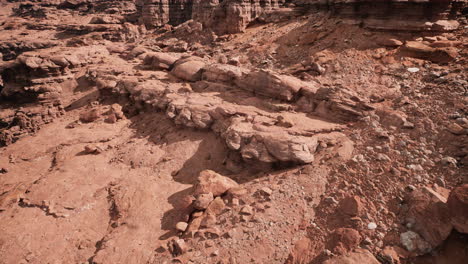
[(233, 132)]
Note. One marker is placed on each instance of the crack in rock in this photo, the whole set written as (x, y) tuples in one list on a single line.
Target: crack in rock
[(46, 208), (114, 216)]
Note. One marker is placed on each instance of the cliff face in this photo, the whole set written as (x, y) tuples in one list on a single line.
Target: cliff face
[(156, 13), (233, 16), (389, 14)]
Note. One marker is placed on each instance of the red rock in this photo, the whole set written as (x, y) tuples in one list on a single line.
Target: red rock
[(393, 254), (90, 115), (429, 214), (421, 51), (352, 206), (360, 256), (344, 240), (458, 207), (303, 252)]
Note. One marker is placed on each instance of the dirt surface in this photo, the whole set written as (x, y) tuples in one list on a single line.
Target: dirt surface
[(308, 137)]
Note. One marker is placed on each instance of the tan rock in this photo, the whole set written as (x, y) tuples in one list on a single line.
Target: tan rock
[(445, 25), (274, 85), (456, 129), (216, 207), (209, 220), (92, 149), (188, 69), (210, 181), (161, 60), (181, 226), (246, 210), (389, 42), (203, 201), (237, 192), (89, 116)]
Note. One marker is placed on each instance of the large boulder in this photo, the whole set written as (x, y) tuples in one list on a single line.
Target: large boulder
[(422, 51), (161, 60), (428, 215), (188, 69), (223, 73), (274, 85)]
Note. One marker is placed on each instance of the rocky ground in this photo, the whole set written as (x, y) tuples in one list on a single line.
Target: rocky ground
[(260, 132)]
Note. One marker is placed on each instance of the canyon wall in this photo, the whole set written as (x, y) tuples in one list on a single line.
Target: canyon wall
[(233, 16)]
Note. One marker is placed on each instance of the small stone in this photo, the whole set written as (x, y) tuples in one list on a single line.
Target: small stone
[(266, 191), (413, 70), (408, 125), (449, 161), (92, 149), (383, 157), (367, 241), (237, 192), (216, 207), (284, 122), (181, 226), (246, 210), (456, 129), (330, 200), (372, 226), (208, 221), (177, 247), (415, 167), (90, 115)]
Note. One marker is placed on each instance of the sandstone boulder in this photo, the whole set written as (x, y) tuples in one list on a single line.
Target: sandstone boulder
[(223, 73), (161, 60), (422, 51), (445, 25), (188, 69), (428, 215), (274, 85)]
